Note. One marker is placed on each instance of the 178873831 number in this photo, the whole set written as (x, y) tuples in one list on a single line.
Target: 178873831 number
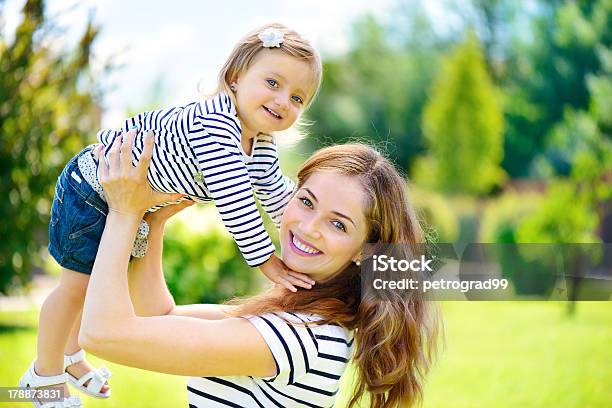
[(21, 394)]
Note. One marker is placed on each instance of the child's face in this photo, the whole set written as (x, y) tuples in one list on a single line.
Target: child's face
[(272, 93)]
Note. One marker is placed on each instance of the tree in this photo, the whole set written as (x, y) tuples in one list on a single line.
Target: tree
[(463, 125), (548, 74), (377, 90), (47, 107)]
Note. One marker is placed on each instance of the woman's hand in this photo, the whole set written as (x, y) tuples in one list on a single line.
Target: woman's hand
[(125, 186)]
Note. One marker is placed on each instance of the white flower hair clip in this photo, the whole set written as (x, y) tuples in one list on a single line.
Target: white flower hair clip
[(271, 37)]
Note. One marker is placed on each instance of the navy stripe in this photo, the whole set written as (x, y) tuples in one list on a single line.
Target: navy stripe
[(212, 397), (284, 343), (336, 339), (234, 386), (308, 404), (314, 389), (332, 357)]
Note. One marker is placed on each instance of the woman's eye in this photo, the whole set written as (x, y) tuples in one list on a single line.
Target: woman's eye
[(339, 225), (297, 99), (306, 202), (272, 83)]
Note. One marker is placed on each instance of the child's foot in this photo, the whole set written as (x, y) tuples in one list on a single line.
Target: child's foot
[(31, 379), (79, 369)]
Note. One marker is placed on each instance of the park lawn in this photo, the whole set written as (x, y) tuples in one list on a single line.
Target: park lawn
[(498, 354), (131, 387), (522, 354)]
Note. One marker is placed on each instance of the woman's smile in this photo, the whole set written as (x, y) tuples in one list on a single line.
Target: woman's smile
[(303, 248)]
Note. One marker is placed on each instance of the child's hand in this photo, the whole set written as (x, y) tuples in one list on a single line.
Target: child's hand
[(276, 270)]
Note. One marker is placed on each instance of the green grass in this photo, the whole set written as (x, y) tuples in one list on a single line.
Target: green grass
[(130, 387), (498, 354), (523, 354)]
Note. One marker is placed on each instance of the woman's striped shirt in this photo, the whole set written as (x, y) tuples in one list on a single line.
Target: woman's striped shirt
[(198, 152), (309, 362)]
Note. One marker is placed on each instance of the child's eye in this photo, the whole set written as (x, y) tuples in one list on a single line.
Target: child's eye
[(272, 83), (297, 99), (339, 225), (306, 202)]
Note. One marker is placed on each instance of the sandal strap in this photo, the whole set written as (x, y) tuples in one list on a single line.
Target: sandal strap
[(74, 401), (97, 380), (70, 359), (105, 372), (34, 380)]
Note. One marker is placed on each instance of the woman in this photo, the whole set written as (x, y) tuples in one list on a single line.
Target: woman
[(278, 349)]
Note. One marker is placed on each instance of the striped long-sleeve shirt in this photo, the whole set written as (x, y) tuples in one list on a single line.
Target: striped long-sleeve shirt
[(310, 360), (198, 152)]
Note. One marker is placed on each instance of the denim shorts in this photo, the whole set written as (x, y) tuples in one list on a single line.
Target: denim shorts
[(78, 216)]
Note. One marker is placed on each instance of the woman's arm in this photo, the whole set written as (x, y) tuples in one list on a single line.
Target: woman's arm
[(148, 288), (170, 344)]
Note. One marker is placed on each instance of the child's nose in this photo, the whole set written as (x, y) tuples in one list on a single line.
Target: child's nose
[(281, 101)]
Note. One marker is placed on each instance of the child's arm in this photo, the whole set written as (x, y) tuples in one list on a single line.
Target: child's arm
[(273, 189), (228, 181)]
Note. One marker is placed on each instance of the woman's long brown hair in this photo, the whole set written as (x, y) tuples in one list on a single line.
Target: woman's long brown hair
[(395, 338)]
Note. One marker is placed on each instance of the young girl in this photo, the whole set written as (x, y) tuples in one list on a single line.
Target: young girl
[(220, 149)]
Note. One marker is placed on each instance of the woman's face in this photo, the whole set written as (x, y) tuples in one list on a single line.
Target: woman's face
[(324, 225)]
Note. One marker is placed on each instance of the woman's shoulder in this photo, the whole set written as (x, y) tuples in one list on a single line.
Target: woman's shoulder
[(302, 324), (300, 344)]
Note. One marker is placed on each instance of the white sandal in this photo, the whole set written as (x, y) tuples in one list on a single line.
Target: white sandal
[(32, 380), (97, 378)]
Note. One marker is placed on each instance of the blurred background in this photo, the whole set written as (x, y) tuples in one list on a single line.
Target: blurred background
[(498, 112)]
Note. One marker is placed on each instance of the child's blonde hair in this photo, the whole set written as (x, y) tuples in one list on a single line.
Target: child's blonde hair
[(249, 46), (293, 45)]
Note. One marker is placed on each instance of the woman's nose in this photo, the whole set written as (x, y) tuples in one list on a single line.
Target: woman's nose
[(310, 228)]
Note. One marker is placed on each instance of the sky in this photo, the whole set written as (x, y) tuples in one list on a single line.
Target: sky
[(185, 44)]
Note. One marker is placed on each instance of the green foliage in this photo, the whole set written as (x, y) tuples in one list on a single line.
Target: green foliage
[(548, 72), (377, 90), (463, 126), (202, 263), (582, 142), (500, 223), (564, 216), (438, 219), (47, 107), (503, 215), (545, 58)]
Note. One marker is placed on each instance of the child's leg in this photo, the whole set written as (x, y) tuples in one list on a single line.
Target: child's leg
[(72, 346), (57, 317)]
